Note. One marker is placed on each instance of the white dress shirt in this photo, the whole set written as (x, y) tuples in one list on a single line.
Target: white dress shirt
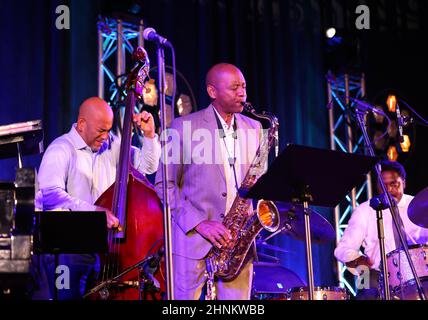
[(72, 177), (230, 148), (362, 231)]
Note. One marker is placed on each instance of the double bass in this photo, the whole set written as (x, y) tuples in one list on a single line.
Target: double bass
[(133, 269)]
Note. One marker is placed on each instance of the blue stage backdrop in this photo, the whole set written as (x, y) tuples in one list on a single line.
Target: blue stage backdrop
[(279, 45)]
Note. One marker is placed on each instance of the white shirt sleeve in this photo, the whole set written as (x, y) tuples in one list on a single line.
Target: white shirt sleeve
[(350, 243), (52, 179), (146, 160)]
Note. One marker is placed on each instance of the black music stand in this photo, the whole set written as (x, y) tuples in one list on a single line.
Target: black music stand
[(307, 175), (62, 232)]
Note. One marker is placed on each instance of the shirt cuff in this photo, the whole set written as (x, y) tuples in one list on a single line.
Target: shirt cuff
[(150, 143)]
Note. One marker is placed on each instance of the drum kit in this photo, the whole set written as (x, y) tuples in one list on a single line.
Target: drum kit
[(274, 282), (401, 280)]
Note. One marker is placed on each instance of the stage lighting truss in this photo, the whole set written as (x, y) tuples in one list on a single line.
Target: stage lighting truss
[(344, 137), (116, 42)]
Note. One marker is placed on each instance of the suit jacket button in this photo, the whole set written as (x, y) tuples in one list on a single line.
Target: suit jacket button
[(224, 194)]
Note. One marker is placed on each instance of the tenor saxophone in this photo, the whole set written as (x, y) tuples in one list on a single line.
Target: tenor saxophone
[(244, 223)]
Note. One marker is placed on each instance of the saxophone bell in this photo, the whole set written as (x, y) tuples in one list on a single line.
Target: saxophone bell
[(268, 215)]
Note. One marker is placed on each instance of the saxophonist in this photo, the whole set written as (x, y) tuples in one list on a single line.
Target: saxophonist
[(216, 147)]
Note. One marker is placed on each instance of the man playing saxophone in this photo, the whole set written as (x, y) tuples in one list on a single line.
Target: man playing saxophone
[(203, 183)]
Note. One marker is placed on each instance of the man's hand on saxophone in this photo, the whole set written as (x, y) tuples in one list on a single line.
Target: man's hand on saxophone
[(215, 232)]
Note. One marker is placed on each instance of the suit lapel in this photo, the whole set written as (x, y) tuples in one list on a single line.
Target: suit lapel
[(247, 144), (211, 125)]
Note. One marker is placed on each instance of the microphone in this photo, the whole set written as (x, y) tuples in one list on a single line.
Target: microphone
[(152, 265), (150, 35), (400, 123), (379, 202), (364, 106)]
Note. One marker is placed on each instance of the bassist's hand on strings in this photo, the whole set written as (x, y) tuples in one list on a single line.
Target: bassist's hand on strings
[(112, 220)]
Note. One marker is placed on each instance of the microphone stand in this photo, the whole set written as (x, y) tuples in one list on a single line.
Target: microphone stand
[(378, 205), (103, 286), (166, 206), (392, 208)]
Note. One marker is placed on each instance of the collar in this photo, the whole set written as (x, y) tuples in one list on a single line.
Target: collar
[(76, 139), (404, 200), (226, 128)]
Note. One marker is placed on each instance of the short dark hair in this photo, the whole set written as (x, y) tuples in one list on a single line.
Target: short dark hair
[(388, 165)]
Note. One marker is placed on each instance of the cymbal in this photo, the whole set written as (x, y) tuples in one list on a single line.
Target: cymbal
[(418, 209), (293, 223)]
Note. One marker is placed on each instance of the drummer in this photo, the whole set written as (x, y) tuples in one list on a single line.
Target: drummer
[(362, 230)]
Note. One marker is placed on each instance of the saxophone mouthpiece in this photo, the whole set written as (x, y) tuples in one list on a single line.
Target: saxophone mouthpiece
[(247, 106)]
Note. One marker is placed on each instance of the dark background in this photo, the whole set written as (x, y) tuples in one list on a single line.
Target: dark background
[(279, 45)]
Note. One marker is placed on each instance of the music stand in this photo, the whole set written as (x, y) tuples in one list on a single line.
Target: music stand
[(75, 232), (307, 175)]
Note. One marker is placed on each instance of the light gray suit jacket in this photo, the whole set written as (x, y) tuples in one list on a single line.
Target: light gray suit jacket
[(197, 191)]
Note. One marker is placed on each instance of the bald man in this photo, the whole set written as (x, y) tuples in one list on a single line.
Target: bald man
[(78, 167), (203, 185)]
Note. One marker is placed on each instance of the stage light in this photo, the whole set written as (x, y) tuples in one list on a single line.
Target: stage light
[(150, 93), (391, 102), (405, 145), (379, 118), (330, 33), (184, 105), (392, 153)]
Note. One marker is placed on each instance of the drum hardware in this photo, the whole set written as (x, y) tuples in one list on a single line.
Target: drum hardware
[(380, 203), (401, 281), (320, 293), (271, 281)]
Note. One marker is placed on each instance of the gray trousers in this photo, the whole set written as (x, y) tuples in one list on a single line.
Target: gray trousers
[(190, 278)]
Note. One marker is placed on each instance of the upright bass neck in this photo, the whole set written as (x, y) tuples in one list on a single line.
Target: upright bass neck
[(134, 85)]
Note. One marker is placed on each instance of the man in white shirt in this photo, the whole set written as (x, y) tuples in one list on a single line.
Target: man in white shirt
[(362, 227), (78, 167)]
